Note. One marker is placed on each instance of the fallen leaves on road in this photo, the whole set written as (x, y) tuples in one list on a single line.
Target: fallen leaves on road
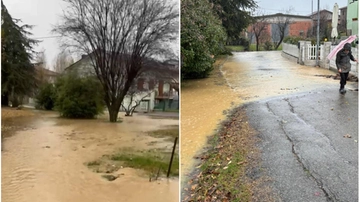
[(227, 171)]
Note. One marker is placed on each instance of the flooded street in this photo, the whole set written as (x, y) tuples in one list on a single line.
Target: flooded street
[(258, 75), (202, 107), (248, 76), (46, 161)]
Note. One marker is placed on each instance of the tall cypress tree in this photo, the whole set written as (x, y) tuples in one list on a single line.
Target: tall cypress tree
[(18, 77)]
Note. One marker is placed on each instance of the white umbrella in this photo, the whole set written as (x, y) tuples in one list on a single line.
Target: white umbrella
[(335, 19)]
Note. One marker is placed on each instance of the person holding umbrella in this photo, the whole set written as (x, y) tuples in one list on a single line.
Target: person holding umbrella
[(343, 65)]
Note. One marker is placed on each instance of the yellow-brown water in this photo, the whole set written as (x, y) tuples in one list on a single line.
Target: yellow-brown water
[(46, 162), (246, 77), (202, 104)]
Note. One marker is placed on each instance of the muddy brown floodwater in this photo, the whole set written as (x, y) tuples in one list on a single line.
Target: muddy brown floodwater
[(241, 78), (45, 160), (202, 107)]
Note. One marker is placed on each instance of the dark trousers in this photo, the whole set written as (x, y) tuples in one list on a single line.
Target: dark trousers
[(343, 78)]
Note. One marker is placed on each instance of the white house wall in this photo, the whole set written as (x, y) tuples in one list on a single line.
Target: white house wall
[(150, 98), (85, 68)]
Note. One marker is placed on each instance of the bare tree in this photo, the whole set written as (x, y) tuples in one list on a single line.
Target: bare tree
[(147, 83), (41, 67), (325, 25), (121, 37), (170, 73), (258, 28), (282, 24), (62, 61)]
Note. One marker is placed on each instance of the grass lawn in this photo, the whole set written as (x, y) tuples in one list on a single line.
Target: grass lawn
[(170, 133), (235, 48), (252, 48), (153, 161)]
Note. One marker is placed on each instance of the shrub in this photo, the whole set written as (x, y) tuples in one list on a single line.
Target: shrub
[(79, 97), (292, 40), (202, 38), (268, 46), (45, 99)]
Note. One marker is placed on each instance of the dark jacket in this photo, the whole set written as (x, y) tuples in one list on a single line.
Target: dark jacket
[(343, 59)]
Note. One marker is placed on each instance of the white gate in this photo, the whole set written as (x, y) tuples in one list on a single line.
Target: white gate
[(311, 52)]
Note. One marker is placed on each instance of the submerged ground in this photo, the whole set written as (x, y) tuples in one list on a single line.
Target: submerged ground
[(48, 158)]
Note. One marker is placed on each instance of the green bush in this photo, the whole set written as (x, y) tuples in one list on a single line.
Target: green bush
[(45, 99), (79, 97), (292, 39), (268, 46), (202, 38)]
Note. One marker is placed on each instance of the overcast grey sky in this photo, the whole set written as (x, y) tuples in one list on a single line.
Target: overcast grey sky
[(45, 13), (42, 14), (300, 7)]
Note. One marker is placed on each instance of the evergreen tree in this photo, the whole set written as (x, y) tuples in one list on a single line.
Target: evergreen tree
[(17, 73), (235, 15)]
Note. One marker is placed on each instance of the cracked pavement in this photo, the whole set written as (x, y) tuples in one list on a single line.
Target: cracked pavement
[(301, 121), (304, 150)]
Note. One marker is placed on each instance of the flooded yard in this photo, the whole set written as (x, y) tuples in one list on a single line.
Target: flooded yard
[(46, 158)]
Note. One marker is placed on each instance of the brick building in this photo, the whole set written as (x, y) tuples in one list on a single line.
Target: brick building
[(298, 25)]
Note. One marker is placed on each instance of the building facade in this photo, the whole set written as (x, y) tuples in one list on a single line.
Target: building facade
[(352, 25), (154, 89), (297, 25)]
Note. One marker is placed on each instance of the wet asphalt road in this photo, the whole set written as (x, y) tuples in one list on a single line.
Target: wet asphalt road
[(303, 147)]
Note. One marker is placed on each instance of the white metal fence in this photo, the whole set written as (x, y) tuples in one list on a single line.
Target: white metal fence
[(306, 55)]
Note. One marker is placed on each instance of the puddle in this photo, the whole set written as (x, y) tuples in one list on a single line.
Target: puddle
[(46, 161)]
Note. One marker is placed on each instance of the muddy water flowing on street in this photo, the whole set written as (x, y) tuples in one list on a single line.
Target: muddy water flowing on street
[(257, 75), (202, 107), (247, 76), (46, 162)]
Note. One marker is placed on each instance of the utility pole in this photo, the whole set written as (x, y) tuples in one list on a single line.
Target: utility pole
[(312, 7), (312, 17), (318, 34)]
